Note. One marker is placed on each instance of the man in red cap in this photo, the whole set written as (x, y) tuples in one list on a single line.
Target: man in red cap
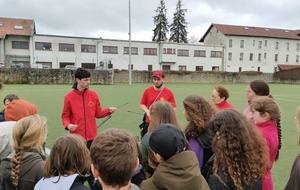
[(154, 93)]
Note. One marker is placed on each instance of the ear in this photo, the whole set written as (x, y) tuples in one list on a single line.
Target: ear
[(223, 99), (266, 116), (159, 158), (94, 171), (77, 80), (137, 164)]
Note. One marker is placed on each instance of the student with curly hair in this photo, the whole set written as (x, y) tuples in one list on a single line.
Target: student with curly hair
[(160, 112), (198, 111), (69, 161), (294, 182), (255, 89), (25, 168), (266, 115), (219, 97), (240, 153)]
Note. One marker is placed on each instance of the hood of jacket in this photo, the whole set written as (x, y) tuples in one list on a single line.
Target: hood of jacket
[(28, 162), (178, 172)]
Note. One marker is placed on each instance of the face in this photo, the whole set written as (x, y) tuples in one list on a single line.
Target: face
[(257, 118), (84, 83), (216, 98), (6, 103), (158, 82), (186, 116), (250, 94)]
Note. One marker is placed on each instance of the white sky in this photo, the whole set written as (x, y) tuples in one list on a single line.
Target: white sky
[(109, 19)]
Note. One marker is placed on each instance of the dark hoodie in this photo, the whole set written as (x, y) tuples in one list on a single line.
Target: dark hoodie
[(31, 171)]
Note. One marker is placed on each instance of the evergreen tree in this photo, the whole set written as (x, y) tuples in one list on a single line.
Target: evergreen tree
[(161, 23), (179, 25)]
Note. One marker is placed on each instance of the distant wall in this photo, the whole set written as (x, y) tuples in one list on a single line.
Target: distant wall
[(63, 76)]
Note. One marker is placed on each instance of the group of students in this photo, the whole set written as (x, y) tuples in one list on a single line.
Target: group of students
[(219, 148)]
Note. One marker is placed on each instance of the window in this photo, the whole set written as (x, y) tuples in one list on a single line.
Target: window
[(242, 44), (253, 42), (199, 53), (215, 68), (230, 43), (43, 46), (241, 56), (181, 68), (183, 52), (276, 57), (251, 57), (298, 46), (150, 51), (20, 45), (169, 51), (266, 43), (265, 55), (287, 58), (134, 50), (297, 58), (287, 46), (277, 45), (110, 49), (66, 47), (229, 56), (259, 44), (88, 48), (259, 57), (215, 54), (166, 67), (199, 68)]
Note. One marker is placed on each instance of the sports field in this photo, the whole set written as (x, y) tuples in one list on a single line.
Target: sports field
[(49, 99)]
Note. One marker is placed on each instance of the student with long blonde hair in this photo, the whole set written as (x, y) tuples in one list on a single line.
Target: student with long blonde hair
[(25, 168)]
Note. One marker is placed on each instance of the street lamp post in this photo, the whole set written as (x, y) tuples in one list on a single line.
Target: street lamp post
[(129, 33)]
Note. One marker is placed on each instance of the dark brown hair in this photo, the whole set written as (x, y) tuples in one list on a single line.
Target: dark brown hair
[(200, 111), (260, 87), (240, 150), (114, 155), (69, 155)]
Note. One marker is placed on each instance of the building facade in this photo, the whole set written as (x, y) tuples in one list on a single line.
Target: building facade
[(223, 48)]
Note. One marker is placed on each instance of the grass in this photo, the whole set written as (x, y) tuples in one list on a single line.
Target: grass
[(49, 99)]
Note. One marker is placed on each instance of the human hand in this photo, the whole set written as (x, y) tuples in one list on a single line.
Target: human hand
[(72, 127), (112, 109)]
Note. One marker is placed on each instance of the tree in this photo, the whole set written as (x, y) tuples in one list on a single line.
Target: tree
[(161, 23), (179, 25), (193, 40)]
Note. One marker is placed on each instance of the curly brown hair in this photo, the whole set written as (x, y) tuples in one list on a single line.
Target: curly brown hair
[(200, 112), (222, 91), (239, 148)]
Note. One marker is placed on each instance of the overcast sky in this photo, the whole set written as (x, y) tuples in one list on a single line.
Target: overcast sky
[(109, 19)]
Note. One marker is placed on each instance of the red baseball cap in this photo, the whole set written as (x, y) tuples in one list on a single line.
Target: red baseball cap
[(158, 73)]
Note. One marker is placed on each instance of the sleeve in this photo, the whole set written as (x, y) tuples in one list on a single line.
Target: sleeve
[(66, 113), (172, 99), (293, 182), (100, 113), (144, 98), (195, 147)]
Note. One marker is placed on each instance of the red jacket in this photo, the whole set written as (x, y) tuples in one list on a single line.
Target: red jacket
[(82, 108)]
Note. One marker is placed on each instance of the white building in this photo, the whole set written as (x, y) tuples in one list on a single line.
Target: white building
[(248, 48), (225, 48)]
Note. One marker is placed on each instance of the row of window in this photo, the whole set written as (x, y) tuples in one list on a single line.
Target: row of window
[(260, 43), (112, 49), (259, 57)]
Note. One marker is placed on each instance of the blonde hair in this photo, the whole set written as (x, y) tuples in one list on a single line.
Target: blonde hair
[(29, 134)]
